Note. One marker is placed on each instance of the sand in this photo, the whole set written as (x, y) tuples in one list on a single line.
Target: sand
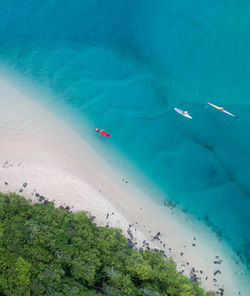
[(40, 155)]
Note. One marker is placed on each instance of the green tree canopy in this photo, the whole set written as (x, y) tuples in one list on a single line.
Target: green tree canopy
[(48, 251)]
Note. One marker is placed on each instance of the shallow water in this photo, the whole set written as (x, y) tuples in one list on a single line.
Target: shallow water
[(123, 66)]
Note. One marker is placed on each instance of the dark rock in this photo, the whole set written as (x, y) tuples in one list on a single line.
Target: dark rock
[(107, 216), (37, 194), (187, 263), (6, 183), (218, 262), (201, 271), (61, 207), (157, 236), (206, 278), (21, 190), (130, 244), (46, 202), (164, 245), (126, 181), (67, 208), (93, 217), (130, 234), (217, 272), (182, 254), (193, 276), (41, 198), (25, 184), (193, 245)]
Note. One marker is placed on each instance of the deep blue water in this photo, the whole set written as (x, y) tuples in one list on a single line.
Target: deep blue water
[(123, 65)]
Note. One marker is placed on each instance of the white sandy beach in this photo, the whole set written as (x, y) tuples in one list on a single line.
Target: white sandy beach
[(39, 149)]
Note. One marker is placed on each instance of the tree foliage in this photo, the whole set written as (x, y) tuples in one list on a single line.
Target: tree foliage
[(49, 251)]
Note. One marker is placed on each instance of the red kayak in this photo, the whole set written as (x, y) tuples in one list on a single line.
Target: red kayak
[(102, 132)]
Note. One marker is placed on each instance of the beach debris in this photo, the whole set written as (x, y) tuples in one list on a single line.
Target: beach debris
[(7, 165), (220, 109)]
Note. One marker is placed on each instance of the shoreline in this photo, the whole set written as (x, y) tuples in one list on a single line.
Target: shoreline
[(56, 163)]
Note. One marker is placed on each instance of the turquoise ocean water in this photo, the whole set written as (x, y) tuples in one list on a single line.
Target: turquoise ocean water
[(123, 65)]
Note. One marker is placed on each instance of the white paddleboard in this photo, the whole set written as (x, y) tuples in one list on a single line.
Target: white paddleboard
[(183, 113)]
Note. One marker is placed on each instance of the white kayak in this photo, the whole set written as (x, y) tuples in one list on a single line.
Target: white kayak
[(183, 113)]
